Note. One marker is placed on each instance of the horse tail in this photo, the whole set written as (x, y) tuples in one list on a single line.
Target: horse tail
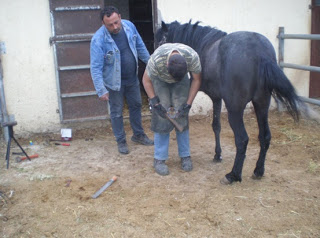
[(280, 87)]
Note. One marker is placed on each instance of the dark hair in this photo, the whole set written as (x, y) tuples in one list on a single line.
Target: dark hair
[(177, 66), (108, 10)]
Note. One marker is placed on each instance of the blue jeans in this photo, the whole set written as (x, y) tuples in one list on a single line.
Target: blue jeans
[(116, 102), (161, 144)]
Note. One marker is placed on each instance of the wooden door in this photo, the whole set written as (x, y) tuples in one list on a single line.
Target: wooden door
[(73, 24), (314, 91)]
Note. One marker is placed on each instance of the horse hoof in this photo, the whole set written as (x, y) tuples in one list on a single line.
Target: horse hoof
[(225, 181), (255, 177), (217, 159)]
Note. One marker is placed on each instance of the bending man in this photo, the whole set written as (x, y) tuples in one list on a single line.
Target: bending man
[(168, 86)]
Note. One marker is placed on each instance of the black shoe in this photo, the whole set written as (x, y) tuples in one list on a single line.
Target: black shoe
[(160, 167), (142, 139), (123, 147), (186, 163)]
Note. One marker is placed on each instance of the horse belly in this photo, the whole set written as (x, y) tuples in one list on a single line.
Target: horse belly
[(210, 62)]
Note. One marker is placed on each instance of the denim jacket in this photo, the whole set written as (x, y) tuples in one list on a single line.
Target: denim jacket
[(105, 65)]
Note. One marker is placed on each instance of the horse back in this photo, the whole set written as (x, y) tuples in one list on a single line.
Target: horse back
[(247, 44)]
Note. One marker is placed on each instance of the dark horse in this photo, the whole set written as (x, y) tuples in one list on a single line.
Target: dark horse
[(239, 68)]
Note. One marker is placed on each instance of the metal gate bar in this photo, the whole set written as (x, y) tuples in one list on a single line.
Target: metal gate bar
[(281, 36), (70, 38), (78, 8)]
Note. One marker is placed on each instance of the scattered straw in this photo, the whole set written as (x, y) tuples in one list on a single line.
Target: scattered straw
[(244, 197), (263, 204)]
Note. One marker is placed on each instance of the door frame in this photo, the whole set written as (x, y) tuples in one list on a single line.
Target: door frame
[(314, 87)]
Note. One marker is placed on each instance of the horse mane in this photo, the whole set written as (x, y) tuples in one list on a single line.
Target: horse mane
[(196, 36)]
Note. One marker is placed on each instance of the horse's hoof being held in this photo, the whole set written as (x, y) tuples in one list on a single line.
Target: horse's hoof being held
[(217, 159)]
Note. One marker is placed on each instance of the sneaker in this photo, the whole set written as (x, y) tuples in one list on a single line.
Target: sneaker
[(142, 139), (160, 167), (123, 147), (186, 163)]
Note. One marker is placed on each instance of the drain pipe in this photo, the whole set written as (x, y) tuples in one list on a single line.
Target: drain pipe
[(3, 108)]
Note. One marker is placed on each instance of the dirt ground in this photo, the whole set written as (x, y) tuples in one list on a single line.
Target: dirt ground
[(50, 196)]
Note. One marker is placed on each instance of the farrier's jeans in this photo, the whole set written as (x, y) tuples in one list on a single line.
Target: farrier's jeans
[(161, 144), (116, 102)]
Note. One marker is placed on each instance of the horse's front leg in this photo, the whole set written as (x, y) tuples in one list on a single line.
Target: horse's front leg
[(216, 126), (241, 141)]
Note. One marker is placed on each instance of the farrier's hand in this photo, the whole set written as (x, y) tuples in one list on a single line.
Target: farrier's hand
[(160, 110), (157, 107), (104, 97), (183, 110)]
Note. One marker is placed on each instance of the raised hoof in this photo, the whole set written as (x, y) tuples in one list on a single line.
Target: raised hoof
[(225, 181), (217, 159), (255, 177)]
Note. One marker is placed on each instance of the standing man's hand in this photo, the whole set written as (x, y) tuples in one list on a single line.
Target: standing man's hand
[(104, 97)]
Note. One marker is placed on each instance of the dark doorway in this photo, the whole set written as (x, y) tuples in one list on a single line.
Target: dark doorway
[(140, 12), (314, 91)]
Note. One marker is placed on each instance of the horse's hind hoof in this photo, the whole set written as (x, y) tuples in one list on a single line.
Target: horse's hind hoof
[(217, 159), (225, 181), (255, 177)]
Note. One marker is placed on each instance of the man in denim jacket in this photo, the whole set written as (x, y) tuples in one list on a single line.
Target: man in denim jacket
[(114, 52)]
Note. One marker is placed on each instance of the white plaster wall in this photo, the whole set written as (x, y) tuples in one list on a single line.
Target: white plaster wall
[(28, 65), (264, 17)]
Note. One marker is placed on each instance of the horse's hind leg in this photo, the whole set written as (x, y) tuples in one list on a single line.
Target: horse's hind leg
[(241, 140), (264, 138), (216, 126)]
